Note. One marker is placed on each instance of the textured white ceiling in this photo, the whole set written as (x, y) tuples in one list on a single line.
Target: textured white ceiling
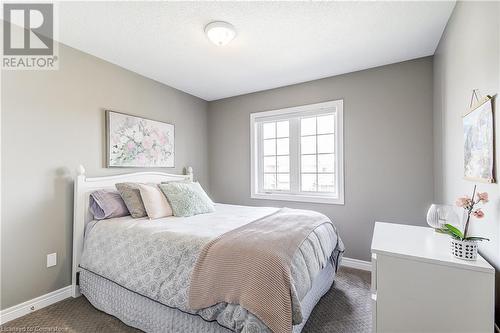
[(278, 43)]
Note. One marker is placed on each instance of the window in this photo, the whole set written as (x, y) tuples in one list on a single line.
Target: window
[(297, 153)]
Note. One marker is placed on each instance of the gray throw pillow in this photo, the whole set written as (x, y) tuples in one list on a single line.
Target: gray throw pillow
[(106, 204), (187, 199), (132, 196)]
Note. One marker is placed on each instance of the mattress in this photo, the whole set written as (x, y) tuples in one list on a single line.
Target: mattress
[(154, 258), (151, 316)]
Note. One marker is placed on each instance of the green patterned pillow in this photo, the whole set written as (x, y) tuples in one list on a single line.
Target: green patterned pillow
[(187, 199)]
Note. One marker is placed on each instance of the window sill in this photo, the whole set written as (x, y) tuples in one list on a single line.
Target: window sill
[(298, 198)]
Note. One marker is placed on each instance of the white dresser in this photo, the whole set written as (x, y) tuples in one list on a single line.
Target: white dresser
[(418, 286)]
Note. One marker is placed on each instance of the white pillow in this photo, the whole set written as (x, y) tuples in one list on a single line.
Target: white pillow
[(155, 201)]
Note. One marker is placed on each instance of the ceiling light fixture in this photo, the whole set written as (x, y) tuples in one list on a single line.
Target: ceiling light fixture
[(220, 33)]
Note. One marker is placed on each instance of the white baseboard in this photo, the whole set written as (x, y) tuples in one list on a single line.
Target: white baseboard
[(356, 263), (34, 304)]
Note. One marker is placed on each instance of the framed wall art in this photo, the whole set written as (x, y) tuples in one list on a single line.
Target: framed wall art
[(479, 142), (138, 142)]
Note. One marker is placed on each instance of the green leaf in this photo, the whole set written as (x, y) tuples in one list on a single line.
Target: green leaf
[(454, 231), (477, 238)]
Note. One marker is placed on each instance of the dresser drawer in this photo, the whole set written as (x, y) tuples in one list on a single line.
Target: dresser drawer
[(410, 298)]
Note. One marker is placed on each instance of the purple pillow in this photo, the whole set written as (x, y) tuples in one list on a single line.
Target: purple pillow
[(105, 204)]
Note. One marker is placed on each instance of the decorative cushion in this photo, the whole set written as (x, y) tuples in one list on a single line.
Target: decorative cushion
[(187, 199), (106, 204), (155, 201), (132, 196)]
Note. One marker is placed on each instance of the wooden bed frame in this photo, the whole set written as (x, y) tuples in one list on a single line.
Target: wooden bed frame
[(84, 186)]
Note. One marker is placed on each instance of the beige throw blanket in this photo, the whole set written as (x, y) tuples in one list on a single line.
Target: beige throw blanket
[(250, 266)]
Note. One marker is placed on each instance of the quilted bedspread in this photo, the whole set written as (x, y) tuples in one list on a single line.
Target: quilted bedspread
[(155, 258)]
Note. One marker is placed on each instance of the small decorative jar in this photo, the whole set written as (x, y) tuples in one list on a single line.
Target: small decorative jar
[(463, 249)]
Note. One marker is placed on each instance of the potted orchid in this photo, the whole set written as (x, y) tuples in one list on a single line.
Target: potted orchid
[(464, 246)]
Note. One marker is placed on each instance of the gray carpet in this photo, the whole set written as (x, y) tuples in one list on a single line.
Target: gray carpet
[(345, 308)]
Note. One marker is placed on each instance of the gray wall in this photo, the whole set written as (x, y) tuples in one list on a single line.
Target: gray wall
[(467, 58), (388, 146), (52, 121)]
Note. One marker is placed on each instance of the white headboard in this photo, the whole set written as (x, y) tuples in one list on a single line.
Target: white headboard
[(81, 214)]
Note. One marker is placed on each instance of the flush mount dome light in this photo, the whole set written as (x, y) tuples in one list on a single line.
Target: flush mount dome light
[(220, 33)]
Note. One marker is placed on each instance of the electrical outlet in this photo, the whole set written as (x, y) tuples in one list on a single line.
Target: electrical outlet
[(51, 259)]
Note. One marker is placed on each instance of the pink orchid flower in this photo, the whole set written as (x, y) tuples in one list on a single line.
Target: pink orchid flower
[(478, 214), (463, 202), (483, 197)]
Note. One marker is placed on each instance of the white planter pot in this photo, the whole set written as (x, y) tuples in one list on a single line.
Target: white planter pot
[(465, 250)]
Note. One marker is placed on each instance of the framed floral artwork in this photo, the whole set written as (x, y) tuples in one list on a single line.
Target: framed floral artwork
[(479, 152), (138, 142)]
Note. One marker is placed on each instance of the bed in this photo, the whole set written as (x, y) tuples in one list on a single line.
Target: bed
[(139, 270)]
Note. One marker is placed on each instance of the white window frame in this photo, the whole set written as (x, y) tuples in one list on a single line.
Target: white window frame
[(284, 114)]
